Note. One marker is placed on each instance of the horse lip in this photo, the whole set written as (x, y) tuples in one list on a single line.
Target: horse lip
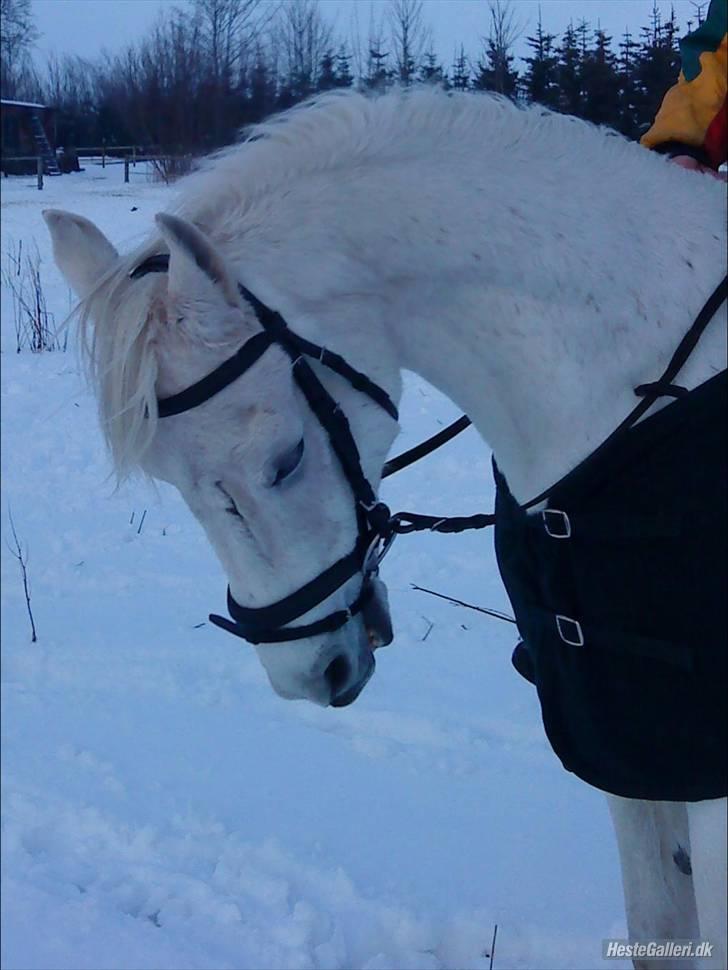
[(350, 695), (376, 639)]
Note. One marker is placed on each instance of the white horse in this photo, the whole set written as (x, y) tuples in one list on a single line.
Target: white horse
[(532, 267)]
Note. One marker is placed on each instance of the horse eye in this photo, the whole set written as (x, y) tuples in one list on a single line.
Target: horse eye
[(288, 463)]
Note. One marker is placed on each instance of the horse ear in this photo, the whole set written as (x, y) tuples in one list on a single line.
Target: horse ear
[(194, 261), (81, 251)]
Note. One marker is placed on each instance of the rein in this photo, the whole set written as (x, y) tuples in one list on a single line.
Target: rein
[(377, 527)]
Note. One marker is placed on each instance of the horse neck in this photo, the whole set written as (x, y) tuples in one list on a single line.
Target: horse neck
[(537, 319)]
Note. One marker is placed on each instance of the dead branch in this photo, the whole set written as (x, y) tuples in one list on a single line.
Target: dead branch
[(22, 557)]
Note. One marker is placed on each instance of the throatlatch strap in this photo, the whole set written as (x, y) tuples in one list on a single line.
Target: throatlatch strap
[(360, 382), (425, 448), (273, 321)]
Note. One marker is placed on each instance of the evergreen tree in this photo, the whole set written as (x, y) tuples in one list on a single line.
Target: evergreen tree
[(600, 82), (495, 72), (461, 71), (261, 88), (540, 80), (582, 35), (430, 71), (378, 74), (570, 99), (327, 73), (658, 66), (627, 121), (344, 77)]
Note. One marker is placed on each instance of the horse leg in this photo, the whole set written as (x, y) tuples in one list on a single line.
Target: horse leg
[(654, 851), (707, 821)]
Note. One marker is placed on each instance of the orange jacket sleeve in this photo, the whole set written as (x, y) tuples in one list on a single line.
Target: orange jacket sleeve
[(693, 114)]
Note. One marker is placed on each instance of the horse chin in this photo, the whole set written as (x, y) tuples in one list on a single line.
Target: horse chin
[(376, 616)]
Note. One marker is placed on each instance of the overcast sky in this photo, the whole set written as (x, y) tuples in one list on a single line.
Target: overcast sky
[(85, 27)]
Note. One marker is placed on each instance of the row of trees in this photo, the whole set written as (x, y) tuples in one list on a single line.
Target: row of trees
[(210, 67)]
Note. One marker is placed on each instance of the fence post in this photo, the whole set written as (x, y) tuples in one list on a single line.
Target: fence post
[(103, 153), (40, 173), (126, 168), (133, 155)]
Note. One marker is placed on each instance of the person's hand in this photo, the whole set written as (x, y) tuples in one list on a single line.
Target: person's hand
[(687, 161)]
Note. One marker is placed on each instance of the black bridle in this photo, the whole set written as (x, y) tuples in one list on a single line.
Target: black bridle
[(377, 527)]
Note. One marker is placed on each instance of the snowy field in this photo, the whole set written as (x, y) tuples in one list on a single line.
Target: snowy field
[(162, 808)]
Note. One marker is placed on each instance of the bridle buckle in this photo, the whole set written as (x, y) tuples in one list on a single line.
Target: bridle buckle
[(570, 630), (556, 523), (378, 549)]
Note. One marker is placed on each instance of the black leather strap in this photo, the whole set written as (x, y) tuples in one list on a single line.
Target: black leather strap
[(229, 371), (334, 621), (663, 385), (305, 597), (405, 522), (154, 264), (272, 321), (425, 448), (267, 624)]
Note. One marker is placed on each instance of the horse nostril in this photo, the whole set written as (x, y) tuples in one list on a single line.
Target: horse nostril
[(337, 673)]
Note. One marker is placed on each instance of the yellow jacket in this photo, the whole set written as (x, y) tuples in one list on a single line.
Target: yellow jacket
[(692, 117)]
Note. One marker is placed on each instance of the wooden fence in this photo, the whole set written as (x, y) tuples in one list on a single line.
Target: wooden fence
[(168, 166), (112, 151), (25, 158)]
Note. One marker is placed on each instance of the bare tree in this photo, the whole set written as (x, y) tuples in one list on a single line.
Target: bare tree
[(699, 8), (17, 36), (377, 71), (408, 35), (160, 88), (495, 67), (70, 81), (300, 39), (229, 29)]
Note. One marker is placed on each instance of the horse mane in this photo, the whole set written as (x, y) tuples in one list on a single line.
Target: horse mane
[(337, 130)]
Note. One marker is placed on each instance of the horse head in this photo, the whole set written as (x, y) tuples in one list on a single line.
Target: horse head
[(253, 462)]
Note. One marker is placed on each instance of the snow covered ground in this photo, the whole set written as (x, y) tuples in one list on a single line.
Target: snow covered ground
[(162, 808)]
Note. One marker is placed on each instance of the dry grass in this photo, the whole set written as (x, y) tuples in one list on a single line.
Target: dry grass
[(35, 326)]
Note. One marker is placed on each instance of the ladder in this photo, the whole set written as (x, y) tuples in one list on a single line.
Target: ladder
[(50, 163)]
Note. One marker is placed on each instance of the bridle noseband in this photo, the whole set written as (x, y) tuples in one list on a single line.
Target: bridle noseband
[(375, 523)]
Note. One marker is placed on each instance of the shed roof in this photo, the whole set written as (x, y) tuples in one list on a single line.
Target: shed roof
[(23, 104)]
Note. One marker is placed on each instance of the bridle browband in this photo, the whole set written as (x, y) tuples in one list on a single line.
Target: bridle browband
[(377, 527)]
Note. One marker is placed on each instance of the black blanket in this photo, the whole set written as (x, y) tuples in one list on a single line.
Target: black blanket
[(619, 592)]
